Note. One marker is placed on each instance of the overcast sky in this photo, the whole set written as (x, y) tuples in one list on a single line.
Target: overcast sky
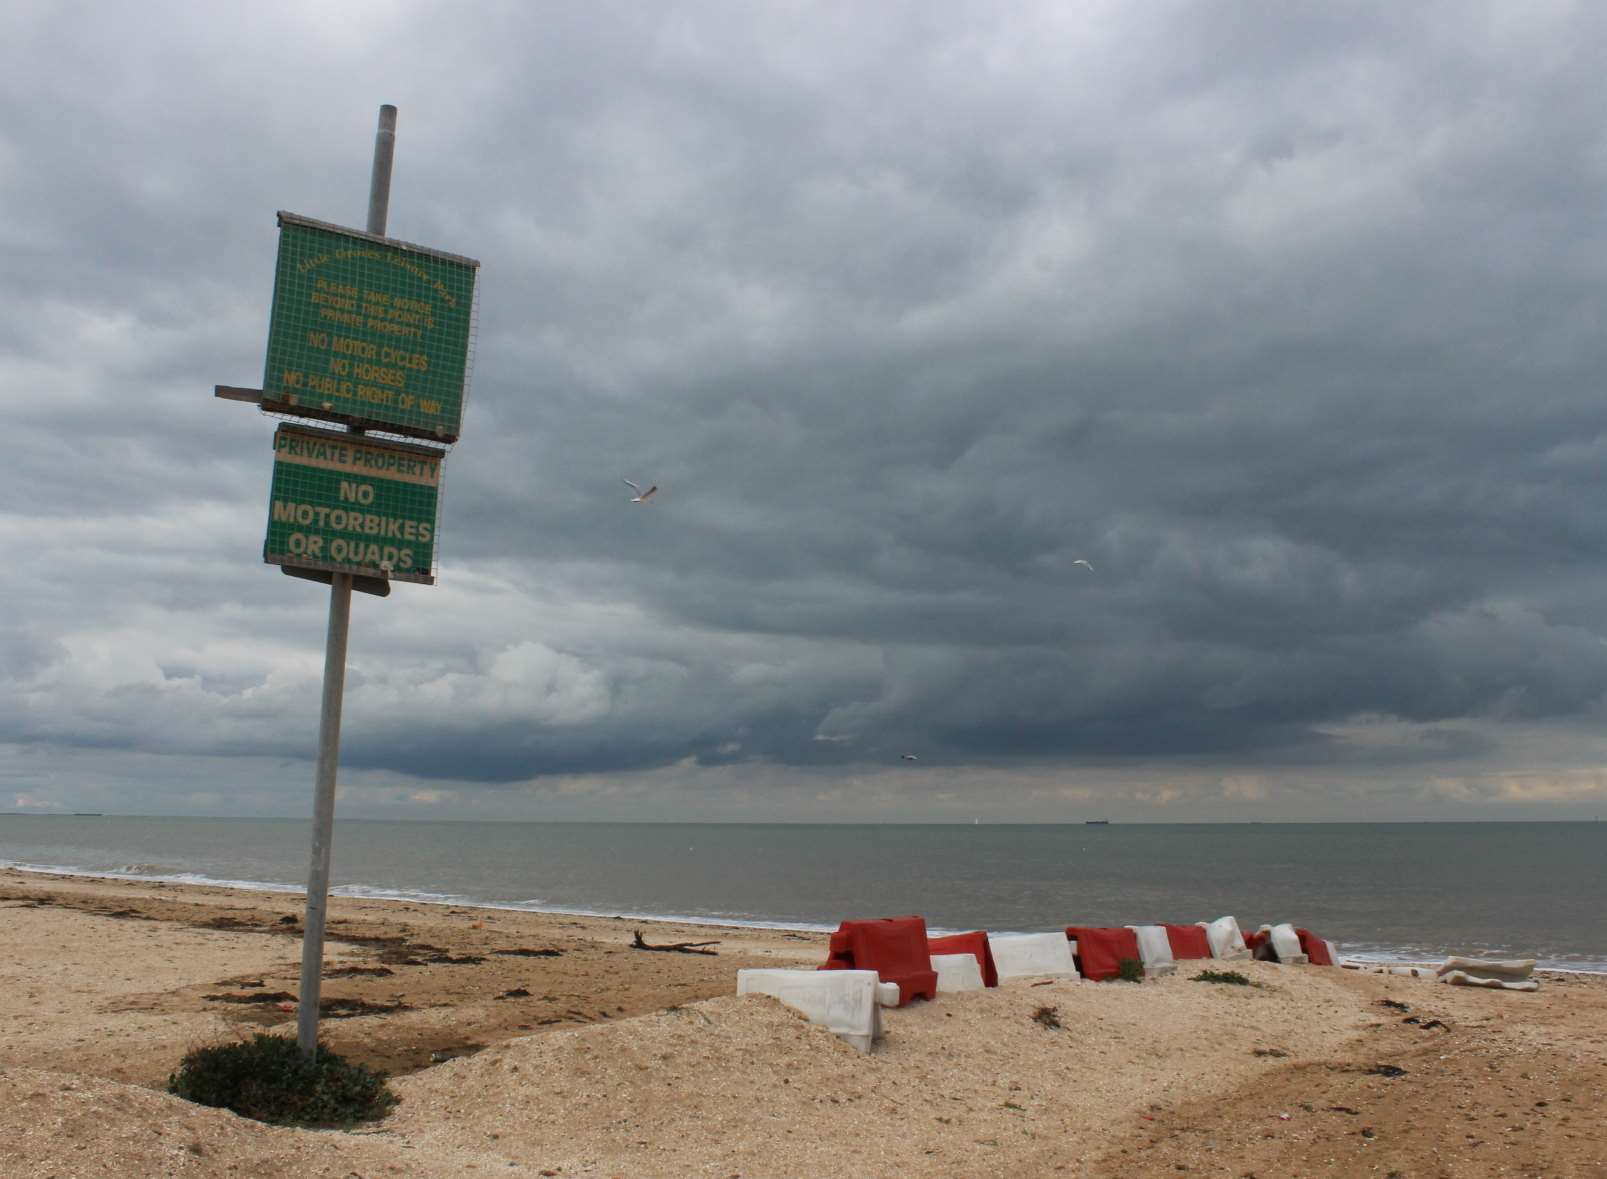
[(1286, 317)]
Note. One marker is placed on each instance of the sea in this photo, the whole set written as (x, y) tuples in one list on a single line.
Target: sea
[(1411, 892)]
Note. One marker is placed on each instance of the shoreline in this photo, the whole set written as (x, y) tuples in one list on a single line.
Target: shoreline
[(539, 1043), (361, 893)]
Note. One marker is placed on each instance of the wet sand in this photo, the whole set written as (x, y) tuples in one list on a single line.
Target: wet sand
[(535, 1044)]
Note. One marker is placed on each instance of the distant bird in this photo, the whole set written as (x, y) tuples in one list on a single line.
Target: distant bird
[(641, 497), (910, 757), (1084, 564)]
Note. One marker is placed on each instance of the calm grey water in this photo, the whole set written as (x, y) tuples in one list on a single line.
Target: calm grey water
[(1384, 890)]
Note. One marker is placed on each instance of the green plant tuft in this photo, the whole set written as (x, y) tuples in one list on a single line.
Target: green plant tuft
[(267, 1078), (1130, 970), (1231, 978)]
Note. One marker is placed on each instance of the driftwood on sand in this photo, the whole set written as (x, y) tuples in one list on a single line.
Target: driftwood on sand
[(675, 947)]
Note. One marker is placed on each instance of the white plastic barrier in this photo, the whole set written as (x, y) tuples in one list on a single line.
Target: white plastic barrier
[(1516, 969), (1511, 974), (842, 1001), (1032, 955), (1225, 937), (1461, 978), (1387, 968), (1286, 943), (1154, 950), (957, 972)]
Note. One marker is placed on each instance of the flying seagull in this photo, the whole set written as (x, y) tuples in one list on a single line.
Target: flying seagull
[(909, 757), (1078, 561), (641, 497)]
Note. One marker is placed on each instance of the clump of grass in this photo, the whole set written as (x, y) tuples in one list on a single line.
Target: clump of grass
[(268, 1078), (1130, 970), (1230, 978)]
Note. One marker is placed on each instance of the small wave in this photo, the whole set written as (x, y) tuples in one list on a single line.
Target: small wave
[(536, 905), (155, 876), (718, 920), (374, 892)]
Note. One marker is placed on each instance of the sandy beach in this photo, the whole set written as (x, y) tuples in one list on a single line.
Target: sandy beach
[(540, 1044)]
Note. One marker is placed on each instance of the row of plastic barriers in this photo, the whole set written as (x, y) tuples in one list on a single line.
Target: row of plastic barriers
[(890, 961)]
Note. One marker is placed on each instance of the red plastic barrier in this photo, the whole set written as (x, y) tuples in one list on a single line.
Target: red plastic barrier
[(1188, 941), (839, 952), (1314, 948), (1255, 941), (894, 947), (968, 943), (1100, 950)]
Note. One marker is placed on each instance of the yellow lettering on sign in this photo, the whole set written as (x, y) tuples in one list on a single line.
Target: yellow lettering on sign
[(357, 459), (359, 348)]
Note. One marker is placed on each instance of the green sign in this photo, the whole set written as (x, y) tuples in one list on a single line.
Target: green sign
[(369, 331), (350, 504)]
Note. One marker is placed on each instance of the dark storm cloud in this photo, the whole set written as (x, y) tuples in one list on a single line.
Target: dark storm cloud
[(1283, 317)]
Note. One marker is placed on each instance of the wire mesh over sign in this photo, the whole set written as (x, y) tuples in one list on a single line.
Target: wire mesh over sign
[(369, 331), (350, 504)]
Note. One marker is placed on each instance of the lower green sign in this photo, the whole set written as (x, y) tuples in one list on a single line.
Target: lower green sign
[(351, 504)]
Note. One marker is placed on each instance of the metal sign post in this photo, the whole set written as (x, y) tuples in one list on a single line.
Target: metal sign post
[(340, 613), (323, 818)]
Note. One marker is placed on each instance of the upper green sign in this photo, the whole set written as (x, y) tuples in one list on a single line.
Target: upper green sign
[(369, 331)]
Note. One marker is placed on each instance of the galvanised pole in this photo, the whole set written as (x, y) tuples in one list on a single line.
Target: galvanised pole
[(340, 613)]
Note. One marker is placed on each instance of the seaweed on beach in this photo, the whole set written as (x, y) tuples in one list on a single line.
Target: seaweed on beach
[(359, 971), (346, 1008), (1428, 1025), (522, 952), (1231, 978), (259, 997)]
